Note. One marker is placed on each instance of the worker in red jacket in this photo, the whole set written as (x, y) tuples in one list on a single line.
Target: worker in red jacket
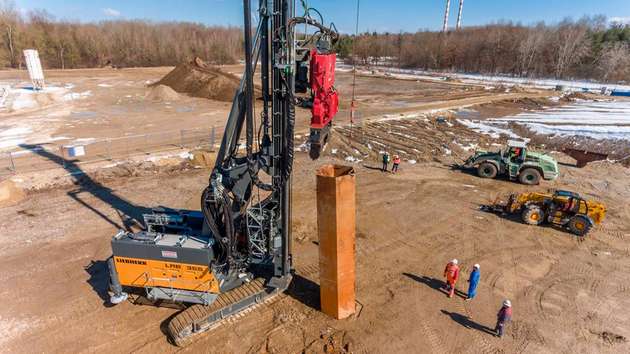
[(451, 273), (396, 163), (503, 317)]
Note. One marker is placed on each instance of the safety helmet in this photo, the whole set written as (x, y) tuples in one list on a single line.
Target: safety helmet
[(455, 261), (476, 266), (507, 303)]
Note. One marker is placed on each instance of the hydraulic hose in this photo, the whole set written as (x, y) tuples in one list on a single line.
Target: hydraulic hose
[(334, 36), (290, 146), (209, 212)]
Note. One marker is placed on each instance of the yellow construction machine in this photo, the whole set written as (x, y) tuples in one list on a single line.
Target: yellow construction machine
[(561, 208)]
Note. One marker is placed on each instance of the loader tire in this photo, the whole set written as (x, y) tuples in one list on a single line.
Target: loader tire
[(487, 170), (533, 215), (529, 176), (579, 225)]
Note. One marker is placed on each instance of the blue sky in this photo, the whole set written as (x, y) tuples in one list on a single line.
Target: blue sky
[(376, 15)]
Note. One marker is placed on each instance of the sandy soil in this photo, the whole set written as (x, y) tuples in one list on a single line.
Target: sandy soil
[(121, 109), (567, 295), (118, 105), (120, 102)]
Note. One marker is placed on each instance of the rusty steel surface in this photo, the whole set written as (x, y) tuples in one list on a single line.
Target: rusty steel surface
[(583, 157), (336, 223)]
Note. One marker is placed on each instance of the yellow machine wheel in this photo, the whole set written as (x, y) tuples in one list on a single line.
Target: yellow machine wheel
[(579, 225), (533, 215)]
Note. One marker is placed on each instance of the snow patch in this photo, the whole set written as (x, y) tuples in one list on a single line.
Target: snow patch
[(488, 129), (352, 159), (14, 136), (77, 95), (598, 120), (185, 155)]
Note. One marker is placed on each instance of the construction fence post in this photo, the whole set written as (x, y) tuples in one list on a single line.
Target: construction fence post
[(12, 168), (62, 153), (212, 138), (109, 149)]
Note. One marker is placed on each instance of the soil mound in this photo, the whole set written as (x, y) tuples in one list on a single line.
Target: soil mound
[(574, 96), (202, 158), (199, 79), (10, 194), (162, 93)]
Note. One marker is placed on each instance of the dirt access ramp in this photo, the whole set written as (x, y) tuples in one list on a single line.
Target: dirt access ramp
[(199, 79)]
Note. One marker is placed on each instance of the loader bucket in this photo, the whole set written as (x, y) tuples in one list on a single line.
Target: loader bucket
[(583, 157)]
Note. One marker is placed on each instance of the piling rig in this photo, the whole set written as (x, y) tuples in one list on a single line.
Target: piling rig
[(236, 251)]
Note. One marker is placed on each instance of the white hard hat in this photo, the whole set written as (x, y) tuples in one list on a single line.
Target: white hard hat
[(507, 303), (454, 261), (476, 266)]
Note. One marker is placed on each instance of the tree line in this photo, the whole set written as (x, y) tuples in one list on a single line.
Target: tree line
[(590, 48), (64, 44)]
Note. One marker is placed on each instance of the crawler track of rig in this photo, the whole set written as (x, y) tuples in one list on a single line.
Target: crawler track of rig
[(197, 319)]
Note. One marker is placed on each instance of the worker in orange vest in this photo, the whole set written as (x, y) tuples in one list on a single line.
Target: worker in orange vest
[(451, 273), (396, 163)]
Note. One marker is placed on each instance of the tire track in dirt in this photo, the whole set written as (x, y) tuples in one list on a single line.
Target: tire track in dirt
[(459, 103), (483, 345), (552, 296), (437, 346)]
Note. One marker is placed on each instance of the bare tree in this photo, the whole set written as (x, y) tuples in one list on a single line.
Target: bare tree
[(614, 62), (9, 18), (570, 45), (530, 49)]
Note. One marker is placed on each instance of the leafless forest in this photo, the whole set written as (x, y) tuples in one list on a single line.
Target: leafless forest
[(590, 48), (64, 44)]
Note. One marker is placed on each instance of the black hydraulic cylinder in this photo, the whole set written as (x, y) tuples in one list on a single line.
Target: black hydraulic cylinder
[(249, 80)]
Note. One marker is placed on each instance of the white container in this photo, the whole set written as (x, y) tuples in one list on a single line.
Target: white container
[(75, 151)]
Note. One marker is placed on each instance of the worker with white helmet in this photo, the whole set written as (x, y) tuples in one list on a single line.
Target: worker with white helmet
[(451, 273), (503, 317), (473, 281)]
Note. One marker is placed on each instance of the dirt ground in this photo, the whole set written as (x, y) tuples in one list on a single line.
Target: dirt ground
[(568, 296), (120, 103), (118, 115)]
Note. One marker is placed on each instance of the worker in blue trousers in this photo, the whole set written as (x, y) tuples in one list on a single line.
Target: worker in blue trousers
[(473, 281)]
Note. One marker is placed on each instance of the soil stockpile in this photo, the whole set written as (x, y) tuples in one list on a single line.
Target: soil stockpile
[(162, 93), (10, 193), (199, 79)]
